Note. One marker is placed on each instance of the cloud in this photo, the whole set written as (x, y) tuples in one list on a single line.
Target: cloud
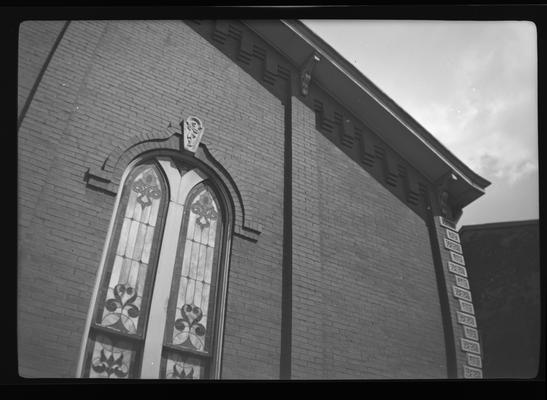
[(488, 116), (494, 167), (505, 202), (473, 85)]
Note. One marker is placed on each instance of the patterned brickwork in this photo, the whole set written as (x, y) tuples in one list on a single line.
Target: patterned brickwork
[(365, 301), (107, 83), (460, 299), (364, 290), (349, 132)]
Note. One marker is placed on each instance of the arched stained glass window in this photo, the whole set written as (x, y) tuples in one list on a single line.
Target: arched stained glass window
[(168, 232), (191, 309), (124, 296)]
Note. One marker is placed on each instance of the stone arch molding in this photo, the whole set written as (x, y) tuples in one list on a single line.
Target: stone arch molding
[(184, 139)]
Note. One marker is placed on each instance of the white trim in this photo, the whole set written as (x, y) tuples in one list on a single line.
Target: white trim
[(187, 183), (151, 356), (153, 344), (100, 271), (219, 334), (173, 176)]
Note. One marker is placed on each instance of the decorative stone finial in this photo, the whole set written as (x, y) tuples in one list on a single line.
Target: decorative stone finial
[(193, 131)]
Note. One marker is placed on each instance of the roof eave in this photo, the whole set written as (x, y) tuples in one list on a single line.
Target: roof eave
[(366, 101)]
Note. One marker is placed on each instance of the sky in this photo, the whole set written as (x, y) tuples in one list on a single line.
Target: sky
[(471, 84)]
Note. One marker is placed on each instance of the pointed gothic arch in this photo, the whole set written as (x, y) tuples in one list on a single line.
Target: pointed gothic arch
[(190, 212)]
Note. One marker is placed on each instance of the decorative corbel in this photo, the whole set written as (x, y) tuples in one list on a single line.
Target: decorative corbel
[(305, 73), (444, 196), (443, 204)]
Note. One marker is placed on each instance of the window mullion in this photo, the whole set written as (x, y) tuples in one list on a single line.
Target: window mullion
[(158, 308), (151, 360)]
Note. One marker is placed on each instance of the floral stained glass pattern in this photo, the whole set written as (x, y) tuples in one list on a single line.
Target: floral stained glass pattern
[(177, 366), (111, 359), (122, 305), (190, 310), (172, 218)]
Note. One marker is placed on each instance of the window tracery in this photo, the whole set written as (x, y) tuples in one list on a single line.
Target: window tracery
[(118, 341)]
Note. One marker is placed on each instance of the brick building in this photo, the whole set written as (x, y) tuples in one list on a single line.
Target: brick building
[(230, 199), (504, 272)]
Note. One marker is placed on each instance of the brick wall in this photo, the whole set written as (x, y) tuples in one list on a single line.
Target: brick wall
[(106, 83), (365, 301), (460, 302), (60, 225), (36, 41), (364, 291)]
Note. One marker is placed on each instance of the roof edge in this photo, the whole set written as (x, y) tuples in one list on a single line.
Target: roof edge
[(411, 124), (497, 225)]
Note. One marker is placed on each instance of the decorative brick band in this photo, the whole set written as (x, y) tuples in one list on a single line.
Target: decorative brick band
[(457, 269), (461, 290), (462, 282), (458, 258), (467, 307), (366, 147), (470, 346), (474, 360), (452, 235), (466, 319), (461, 293), (471, 333), (447, 223), (471, 373), (351, 133), (451, 245), (107, 179)]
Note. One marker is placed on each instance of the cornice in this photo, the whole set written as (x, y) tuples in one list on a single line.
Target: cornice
[(336, 76)]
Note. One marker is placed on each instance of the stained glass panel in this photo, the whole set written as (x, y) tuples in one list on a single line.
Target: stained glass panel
[(178, 366), (110, 358), (123, 293), (189, 311), (118, 343)]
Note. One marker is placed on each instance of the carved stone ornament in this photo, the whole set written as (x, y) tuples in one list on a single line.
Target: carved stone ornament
[(305, 73), (193, 131)]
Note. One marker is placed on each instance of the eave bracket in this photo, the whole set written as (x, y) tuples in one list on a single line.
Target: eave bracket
[(306, 73)]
